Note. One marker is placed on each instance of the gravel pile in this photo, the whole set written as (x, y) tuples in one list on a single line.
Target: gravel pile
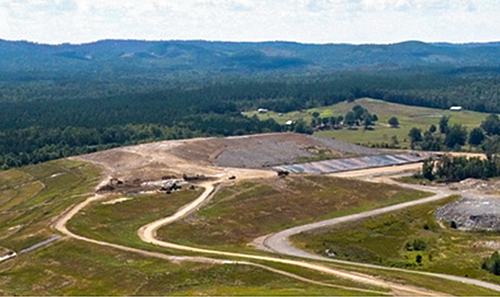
[(477, 213), (265, 154), (286, 148), (345, 147)]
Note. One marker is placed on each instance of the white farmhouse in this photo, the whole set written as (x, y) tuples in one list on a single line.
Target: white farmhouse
[(456, 108)]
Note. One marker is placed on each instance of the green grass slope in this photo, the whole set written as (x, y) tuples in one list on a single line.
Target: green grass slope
[(33, 196), (396, 239), (243, 212)]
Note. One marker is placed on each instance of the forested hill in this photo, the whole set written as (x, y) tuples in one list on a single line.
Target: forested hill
[(61, 100), (126, 58)]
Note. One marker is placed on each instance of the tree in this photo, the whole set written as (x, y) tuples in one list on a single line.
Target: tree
[(315, 114), (476, 136), (415, 135), (350, 118), (491, 125), (340, 118), (428, 169), (456, 136), (431, 142), (394, 122), (367, 122), (301, 127), (358, 111), (491, 146), (443, 124), (394, 142), (432, 128)]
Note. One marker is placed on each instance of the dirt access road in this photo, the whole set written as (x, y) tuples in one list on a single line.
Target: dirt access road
[(148, 234), (60, 225)]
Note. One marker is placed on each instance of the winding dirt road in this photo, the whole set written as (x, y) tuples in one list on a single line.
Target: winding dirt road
[(60, 225), (279, 242), (148, 234)]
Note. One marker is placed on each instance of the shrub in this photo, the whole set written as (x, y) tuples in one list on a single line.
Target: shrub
[(416, 245), (492, 264)]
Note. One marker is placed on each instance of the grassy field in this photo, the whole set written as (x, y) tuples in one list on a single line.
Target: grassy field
[(408, 116), (77, 268), (118, 223), (31, 197), (397, 239), (243, 212)]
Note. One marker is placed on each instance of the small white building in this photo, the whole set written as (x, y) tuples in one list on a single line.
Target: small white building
[(262, 110), (289, 123), (456, 108)]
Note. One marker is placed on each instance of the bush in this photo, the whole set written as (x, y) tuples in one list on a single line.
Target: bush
[(492, 264), (416, 245)]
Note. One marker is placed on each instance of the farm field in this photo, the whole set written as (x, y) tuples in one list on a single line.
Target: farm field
[(398, 239), (408, 116)]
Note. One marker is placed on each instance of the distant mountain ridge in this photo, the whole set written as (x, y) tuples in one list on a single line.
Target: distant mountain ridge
[(137, 56)]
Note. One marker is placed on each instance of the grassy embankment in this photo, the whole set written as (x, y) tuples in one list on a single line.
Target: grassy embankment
[(408, 116), (398, 239), (32, 197), (77, 268)]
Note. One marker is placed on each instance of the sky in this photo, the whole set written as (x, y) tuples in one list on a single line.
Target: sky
[(308, 21)]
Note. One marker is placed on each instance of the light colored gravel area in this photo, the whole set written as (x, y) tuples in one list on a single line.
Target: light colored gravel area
[(473, 213)]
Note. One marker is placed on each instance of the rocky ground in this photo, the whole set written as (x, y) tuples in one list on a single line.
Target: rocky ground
[(472, 213), (266, 150)]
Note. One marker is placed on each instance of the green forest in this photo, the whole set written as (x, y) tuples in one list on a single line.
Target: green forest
[(56, 102)]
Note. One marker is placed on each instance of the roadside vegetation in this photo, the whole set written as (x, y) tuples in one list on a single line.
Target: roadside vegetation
[(410, 239), (452, 169), (72, 267)]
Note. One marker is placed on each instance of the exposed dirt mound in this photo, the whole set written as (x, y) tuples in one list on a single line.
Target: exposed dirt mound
[(478, 185), (265, 150), (472, 213)]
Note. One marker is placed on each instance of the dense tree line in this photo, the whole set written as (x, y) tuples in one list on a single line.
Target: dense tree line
[(449, 168)]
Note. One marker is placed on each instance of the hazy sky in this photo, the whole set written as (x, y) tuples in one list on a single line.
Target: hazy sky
[(318, 21)]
